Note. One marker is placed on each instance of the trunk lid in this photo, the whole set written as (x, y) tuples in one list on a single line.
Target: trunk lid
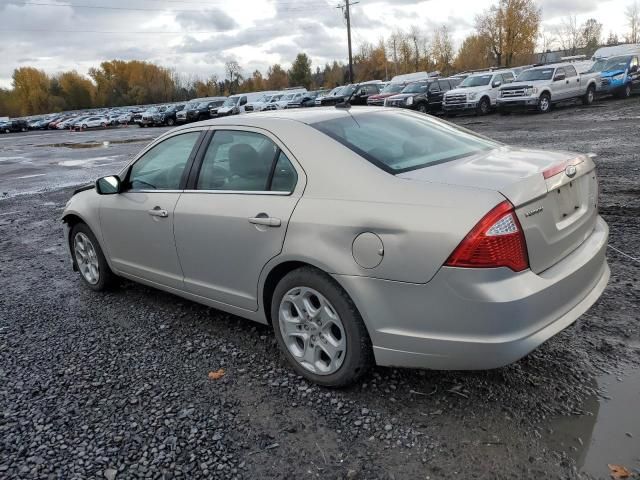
[(557, 213)]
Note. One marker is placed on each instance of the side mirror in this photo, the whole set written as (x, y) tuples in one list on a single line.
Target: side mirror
[(108, 185), (497, 83), (243, 101), (558, 77)]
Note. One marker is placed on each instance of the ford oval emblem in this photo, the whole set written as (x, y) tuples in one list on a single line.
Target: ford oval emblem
[(570, 171)]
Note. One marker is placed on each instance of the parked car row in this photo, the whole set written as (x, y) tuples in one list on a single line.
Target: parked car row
[(612, 71)]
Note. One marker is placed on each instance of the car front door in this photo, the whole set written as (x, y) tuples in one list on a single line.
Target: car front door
[(435, 96), (559, 86), (233, 217), (634, 73), (137, 224), (574, 88)]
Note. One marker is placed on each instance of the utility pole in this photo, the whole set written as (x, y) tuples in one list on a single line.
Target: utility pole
[(347, 15)]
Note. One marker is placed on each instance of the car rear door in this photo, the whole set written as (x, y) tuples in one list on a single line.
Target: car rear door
[(232, 218), (574, 88), (137, 224)]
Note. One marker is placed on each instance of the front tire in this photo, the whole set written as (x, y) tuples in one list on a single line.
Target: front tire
[(88, 257), (625, 92), (544, 104), (422, 108), (484, 106), (590, 96), (171, 122), (319, 329)]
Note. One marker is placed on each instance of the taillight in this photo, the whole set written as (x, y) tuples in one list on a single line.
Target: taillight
[(496, 241)]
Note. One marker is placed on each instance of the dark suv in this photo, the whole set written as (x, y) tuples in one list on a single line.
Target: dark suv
[(359, 94), (168, 116), (14, 125), (198, 111), (425, 96)]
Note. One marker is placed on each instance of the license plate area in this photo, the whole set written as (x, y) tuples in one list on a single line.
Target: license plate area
[(571, 201)]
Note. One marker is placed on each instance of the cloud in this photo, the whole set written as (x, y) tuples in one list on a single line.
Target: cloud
[(213, 19), (256, 32), (555, 8)]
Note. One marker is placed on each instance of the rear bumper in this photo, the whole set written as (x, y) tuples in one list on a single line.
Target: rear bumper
[(471, 319)]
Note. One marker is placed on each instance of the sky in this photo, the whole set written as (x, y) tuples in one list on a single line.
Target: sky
[(197, 37)]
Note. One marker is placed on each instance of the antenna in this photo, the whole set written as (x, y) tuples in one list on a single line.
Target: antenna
[(345, 103)]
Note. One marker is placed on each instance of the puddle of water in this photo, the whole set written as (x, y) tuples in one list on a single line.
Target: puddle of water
[(608, 433), (83, 161), (31, 176), (97, 144)]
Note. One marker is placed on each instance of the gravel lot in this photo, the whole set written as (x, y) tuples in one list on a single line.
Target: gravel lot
[(116, 385)]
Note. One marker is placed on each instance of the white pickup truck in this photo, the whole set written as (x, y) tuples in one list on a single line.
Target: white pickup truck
[(539, 88), (477, 92)]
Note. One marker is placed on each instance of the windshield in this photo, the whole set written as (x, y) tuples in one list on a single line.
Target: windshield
[(203, 105), (476, 80), (346, 91), (393, 88), (334, 92), (616, 63), (231, 102), (536, 74), (191, 106), (275, 98), (288, 96), (598, 66), (400, 141), (415, 88), (152, 110)]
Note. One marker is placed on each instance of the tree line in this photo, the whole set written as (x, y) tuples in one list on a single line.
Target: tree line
[(506, 34)]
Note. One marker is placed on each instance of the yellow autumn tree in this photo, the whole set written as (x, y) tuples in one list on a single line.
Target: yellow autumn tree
[(512, 28)]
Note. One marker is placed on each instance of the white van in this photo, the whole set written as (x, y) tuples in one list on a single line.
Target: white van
[(615, 51), (236, 104)]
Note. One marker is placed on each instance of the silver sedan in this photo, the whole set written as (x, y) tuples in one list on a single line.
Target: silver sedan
[(363, 235)]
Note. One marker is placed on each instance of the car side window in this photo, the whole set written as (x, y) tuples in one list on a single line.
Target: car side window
[(444, 85), (284, 175), (161, 167), (434, 87), (508, 77), (634, 62), (570, 71), (237, 160), (559, 71)]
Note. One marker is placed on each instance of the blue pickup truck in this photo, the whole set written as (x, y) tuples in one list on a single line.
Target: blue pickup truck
[(619, 75)]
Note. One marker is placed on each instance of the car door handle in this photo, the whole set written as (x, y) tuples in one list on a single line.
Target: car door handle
[(158, 212), (267, 221)]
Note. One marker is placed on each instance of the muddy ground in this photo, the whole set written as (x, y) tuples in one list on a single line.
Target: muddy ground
[(115, 385)]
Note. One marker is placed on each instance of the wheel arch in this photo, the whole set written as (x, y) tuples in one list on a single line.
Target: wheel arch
[(73, 218), (279, 271)]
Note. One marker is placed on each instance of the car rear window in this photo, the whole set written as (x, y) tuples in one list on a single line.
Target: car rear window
[(398, 142)]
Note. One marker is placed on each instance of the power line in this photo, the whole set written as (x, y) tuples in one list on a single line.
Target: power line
[(317, 7)]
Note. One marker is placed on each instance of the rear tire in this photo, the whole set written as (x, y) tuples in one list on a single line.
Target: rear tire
[(324, 317), (88, 257), (590, 96), (171, 122), (544, 104)]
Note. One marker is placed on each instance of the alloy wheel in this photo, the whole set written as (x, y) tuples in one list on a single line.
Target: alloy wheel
[(86, 258), (312, 330), (544, 104)]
